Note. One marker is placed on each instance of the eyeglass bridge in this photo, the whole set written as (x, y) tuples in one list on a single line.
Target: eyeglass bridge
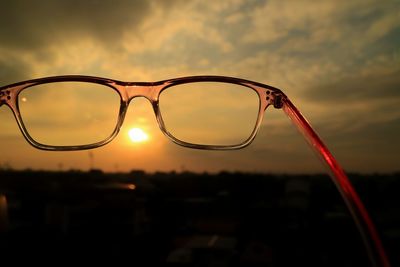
[(4, 96)]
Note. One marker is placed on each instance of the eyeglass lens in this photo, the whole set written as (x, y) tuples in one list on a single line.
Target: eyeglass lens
[(210, 113), (69, 113)]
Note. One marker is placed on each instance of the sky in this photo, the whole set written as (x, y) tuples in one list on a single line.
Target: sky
[(338, 61)]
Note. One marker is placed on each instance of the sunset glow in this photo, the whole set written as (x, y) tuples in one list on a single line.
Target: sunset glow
[(137, 135), (338, 62)]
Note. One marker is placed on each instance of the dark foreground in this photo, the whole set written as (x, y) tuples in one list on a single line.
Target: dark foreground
[(187, 219)]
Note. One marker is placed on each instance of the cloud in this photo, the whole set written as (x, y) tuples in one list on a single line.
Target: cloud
[(68, 37), (322, 22), (13, 69), (358, 87), (34, 24), (127, 40)]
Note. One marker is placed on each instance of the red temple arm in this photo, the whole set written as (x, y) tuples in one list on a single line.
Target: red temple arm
[(357, 209)]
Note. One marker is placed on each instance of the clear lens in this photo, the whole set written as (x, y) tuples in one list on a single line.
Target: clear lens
[(69, 113), (210, 113)]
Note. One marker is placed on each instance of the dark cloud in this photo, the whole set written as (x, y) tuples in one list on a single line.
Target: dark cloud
[(357, 88), (371, 128), (13, 70), (372, 147), (32, 24)]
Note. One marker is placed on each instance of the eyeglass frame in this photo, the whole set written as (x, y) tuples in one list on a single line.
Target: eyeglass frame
[(268, 95), (127, 91)]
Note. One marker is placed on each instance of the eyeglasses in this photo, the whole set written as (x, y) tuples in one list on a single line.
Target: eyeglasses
[(80, 112), (205, 112)]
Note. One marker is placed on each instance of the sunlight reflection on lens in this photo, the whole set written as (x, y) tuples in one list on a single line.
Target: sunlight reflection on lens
[(137, 135)]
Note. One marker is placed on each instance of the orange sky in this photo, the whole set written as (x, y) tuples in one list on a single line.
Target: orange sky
[(338, 61)]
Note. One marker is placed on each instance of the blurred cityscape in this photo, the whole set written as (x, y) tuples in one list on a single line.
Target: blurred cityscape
[(190, 219)]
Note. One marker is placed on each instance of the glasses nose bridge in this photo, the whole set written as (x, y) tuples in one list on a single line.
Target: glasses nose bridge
[(147, 91)]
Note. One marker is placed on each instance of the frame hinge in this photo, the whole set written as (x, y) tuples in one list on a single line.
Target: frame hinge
[(274, 98), (278, 102)]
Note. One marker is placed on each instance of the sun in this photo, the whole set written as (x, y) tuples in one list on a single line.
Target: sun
[(137, 135)]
